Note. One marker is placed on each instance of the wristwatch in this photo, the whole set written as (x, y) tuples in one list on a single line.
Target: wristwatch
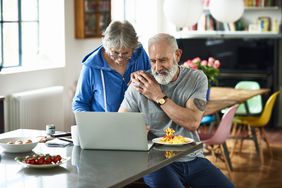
[(162, 101)]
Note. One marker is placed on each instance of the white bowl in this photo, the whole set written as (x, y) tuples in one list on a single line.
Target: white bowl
[(17, 148)]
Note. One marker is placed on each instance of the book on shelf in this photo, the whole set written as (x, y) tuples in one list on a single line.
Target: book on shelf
[(232, 26), (206, 23), (260, 3)]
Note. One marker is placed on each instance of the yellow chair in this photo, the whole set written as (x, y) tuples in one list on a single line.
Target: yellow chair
[(257, 124)]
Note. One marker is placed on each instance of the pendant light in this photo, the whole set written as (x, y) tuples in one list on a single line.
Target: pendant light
[(226, 11), (183, 13)]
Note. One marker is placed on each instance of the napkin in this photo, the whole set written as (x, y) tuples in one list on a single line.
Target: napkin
[(57, 143)]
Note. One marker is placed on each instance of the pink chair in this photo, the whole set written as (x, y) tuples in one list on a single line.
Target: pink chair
[(216, 142)]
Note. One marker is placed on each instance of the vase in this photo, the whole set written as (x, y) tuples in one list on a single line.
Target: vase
[(208, 94)]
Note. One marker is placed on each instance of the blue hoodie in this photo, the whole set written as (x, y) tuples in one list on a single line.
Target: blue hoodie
[(100, 88)]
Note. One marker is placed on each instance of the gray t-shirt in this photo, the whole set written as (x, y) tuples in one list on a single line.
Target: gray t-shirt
[(189, 84)]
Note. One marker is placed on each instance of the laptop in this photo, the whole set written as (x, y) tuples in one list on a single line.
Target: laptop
[(112, 131)]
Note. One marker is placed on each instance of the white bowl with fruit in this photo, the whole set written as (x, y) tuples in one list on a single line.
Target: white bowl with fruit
[(18, 144)]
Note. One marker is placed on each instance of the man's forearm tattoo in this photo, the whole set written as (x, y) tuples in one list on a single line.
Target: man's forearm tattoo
[(200, 104)]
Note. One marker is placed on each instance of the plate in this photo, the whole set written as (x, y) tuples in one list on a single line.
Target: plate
[(17, 148), (63, 160), (158, 141)]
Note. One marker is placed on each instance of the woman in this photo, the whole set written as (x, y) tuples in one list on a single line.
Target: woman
[(106, 71)]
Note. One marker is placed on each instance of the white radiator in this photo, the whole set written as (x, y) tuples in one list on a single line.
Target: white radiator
[(36, 108)]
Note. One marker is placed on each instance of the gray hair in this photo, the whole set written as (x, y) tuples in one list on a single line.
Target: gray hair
[(120, 35), (170, 40)]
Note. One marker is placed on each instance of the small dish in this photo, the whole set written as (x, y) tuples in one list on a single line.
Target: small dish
[(17, 148), (63, 160)]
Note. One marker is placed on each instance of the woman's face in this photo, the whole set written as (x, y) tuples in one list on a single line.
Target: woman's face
[(120, 56)]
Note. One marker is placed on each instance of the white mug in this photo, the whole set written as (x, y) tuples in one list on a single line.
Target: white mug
[(75, 155), (74, 135)]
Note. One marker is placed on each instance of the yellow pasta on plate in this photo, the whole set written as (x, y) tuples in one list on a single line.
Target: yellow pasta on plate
[(171, 139)]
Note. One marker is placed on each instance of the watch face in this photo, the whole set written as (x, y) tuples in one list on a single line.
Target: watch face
[(162, 101)]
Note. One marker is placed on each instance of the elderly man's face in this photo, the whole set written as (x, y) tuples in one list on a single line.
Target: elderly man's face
[(164, 62)]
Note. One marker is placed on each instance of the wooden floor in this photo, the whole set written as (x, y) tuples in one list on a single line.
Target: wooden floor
[(248, 171)]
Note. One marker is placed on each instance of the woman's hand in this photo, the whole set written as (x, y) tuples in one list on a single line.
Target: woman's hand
[(134, 76), (146, 84)]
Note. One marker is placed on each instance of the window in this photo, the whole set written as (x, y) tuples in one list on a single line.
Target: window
[(32, 35), (19, 32)]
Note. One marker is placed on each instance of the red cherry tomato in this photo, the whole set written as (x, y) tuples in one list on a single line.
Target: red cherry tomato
[(30, 161), (41, 160), (48, 160)]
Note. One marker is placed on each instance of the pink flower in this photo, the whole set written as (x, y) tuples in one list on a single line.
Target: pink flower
[(210, 67), (196, 59), (211, 59), (191, 64), (216, 64), (210, 64), (204, 63)]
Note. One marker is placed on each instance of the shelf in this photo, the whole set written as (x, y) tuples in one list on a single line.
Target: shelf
[(226, 34), (253, 20), (273, 8)]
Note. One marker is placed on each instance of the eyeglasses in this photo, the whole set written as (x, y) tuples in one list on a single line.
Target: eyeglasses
[(118, 55)]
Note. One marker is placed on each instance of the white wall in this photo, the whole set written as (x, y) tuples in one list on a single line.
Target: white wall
[(76, 49)]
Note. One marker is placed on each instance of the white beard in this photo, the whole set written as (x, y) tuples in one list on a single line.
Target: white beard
[(167, 78)]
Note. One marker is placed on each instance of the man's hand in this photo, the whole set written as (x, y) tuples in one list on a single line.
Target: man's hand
[(147, 85)]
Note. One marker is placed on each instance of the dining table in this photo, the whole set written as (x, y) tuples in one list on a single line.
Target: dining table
[(224, 97), (85, 168)]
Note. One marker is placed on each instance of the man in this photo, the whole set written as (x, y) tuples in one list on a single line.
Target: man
[(173, 96)]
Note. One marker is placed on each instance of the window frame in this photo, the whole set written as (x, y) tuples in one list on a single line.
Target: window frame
[(19, 22)]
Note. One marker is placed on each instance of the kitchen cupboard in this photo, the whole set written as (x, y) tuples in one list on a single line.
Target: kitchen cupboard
[(91, 18)]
